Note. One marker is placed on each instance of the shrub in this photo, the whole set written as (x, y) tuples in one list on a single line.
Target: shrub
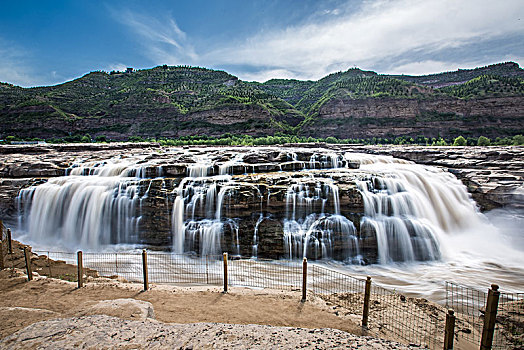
[(101, 138), (460, 141), (518, 140), (483, 141)]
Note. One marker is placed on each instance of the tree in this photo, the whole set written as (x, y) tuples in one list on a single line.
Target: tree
[(518, 140), (101, 138), (460, 141), (483, 141), (86, 138)]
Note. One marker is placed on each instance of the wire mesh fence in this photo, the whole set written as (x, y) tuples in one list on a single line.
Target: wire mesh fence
[(337, 287), (408, 320), (391, 315), (185, 269), (470, 307), (509, 328), (412, 320), (127, 266), (468, 304), (55, 264), (260, 273), (3, 245)]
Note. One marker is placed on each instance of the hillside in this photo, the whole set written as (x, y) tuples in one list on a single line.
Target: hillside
[(179, 101)]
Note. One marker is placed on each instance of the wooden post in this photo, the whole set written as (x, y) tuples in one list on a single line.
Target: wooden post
[(225, 272), (1, 252), (304, 279), (207, 272), (27, 256), (9, 243), (367, 296), (490, 317), (144, 270), (80, 265), (449, 330), (1, 245)]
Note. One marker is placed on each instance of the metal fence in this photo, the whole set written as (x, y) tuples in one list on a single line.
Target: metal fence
[(261, 273), (408, 320), (389, 314), (470, 307)]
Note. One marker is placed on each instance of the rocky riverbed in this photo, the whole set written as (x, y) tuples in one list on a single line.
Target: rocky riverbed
[(263, 189)]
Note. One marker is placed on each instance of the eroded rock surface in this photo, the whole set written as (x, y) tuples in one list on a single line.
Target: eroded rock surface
[(105, 332)]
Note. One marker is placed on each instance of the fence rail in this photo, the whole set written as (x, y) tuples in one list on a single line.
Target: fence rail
[(384, 312)]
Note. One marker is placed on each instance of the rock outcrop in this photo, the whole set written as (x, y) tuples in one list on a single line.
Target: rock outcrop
[(110, 332), (264, 187), (447, 117)]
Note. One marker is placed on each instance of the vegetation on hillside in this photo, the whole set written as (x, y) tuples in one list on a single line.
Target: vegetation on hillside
[(280, 139), (165, 99)]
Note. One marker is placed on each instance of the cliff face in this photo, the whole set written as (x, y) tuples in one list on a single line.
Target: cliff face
[(41, 121), (447, 117)]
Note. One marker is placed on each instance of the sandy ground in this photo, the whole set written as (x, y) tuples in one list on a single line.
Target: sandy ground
[(24, 303)]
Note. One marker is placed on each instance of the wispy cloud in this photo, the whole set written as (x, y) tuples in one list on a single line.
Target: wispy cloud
[(164, 41), (379, 33)]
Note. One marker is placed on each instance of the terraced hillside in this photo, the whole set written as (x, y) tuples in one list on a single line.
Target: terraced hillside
[(179, 101)]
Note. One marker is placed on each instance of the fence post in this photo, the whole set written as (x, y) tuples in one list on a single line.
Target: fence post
[(225, 272), (490, 317), (144, 270), (304, 279), (449, 330), (367, 295), (9, 244), (1, 250), (28, 264), (79, 263), (207, 271)]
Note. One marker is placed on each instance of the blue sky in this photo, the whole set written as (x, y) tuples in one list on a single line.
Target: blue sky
[(49, 42)]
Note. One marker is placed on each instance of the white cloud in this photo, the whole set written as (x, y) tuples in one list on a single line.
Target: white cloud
[(379, 31), (164, 41)]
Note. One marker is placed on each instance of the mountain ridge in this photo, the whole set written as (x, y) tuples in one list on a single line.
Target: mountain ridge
[(174, 101)]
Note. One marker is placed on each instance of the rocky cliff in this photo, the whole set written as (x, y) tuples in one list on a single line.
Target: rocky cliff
[(446, 117)]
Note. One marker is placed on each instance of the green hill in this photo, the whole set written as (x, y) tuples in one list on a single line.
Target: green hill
[(169, 101)]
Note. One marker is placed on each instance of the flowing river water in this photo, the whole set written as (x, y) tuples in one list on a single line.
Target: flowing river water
[(426, 227)]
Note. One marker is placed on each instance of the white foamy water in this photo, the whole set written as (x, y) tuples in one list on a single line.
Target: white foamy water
[(426, 226)]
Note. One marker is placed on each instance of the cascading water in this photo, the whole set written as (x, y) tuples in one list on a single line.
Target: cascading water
[(93, 206), (198, 200), (410, 209), (310, 231)]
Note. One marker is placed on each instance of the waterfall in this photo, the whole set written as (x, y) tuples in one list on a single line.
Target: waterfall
[(311, 229), (410, 208), (197, 215), (86, 211)]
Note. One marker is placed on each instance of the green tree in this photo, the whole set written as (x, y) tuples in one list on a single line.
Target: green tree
[(101, 138), (86, 138), (460, 141), (518, 140), (483, 141)]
